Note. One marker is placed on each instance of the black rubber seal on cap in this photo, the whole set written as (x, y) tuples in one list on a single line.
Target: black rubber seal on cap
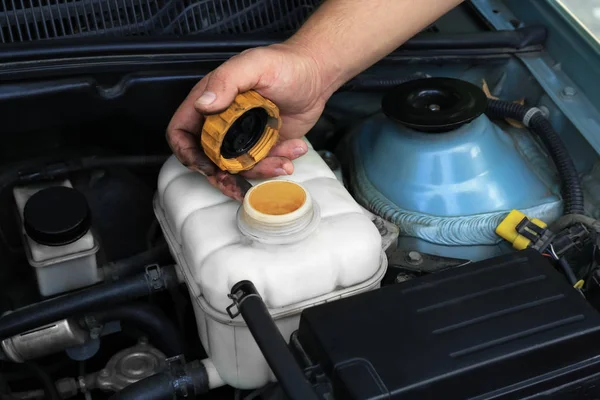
[(434, 104), (56, 216), (244, 133)]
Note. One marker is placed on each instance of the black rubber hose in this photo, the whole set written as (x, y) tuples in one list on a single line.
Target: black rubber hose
[(371, 83), (150, 320), (123, 161), (191, 382), (90, 299), (45, 379), (271, 342), (136, 263), (155, 387), (515, 39), (69, 48), (539, 125), (51, 169), (567, 220)]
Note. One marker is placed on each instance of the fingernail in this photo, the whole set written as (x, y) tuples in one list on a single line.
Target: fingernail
[(280, 171), (298, 151), (206, 99)]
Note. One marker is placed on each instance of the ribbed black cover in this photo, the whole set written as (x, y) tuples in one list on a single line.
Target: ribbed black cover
[(506, 325)]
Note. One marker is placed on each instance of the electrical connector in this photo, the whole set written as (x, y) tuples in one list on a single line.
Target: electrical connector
[(524, 232)]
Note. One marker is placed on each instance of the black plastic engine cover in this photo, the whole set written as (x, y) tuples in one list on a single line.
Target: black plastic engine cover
[(508, 327)]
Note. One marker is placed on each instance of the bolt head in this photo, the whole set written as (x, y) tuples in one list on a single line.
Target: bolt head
[(569, 91), (403, 277), (414, 257), (95, 333)]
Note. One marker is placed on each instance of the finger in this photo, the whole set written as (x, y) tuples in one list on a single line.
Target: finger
[(183, 133), (270, 167), (233, 186), (290, 149), (237, 75), (183, 136)]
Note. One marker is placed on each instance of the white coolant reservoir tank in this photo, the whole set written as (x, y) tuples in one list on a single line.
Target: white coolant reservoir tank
[(301, 239)]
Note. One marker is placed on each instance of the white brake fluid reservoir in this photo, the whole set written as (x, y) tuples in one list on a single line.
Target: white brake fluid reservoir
[(318, 246), (62, 218)]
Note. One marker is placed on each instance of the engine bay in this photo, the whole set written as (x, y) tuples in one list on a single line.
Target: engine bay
[(439, 240)]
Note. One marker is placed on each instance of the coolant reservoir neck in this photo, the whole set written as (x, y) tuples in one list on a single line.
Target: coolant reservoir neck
[(434, 105), (278, 212)]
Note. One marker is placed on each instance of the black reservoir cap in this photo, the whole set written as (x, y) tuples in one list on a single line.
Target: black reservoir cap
[(56, 216), (434, 105)]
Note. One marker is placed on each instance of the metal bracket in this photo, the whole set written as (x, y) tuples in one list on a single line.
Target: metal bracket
[(415, 261), (238, 297), (154, 276), (182, 382), (569, 98)]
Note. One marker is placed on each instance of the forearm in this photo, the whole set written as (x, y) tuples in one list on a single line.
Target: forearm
[(345, 37)]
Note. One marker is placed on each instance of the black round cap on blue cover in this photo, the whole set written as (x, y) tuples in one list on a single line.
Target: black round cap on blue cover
[(434, 105)]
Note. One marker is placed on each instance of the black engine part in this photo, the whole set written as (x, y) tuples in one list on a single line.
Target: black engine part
[(508, 327), (89, 299), (434, 105)]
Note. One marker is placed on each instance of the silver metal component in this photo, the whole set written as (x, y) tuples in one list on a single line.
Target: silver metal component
[(529, 114), (129, 366), (83, 384), (545, 111), (569, 91), (403, 277), (387, 230), (434, 107), (45, 340), (414, 257), (67, 387), (95, 332)]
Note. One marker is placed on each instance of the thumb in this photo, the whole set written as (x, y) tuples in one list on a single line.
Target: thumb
[(237, 75)]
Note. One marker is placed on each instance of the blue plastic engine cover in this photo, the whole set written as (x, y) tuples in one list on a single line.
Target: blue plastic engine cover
[(450, 190)]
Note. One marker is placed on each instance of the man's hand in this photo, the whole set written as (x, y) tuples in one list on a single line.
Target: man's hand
[(281, 73), (341, 39)]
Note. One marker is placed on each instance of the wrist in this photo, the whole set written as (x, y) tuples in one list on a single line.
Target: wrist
[(327, 70)]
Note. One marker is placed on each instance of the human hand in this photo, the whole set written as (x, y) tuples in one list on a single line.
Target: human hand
[(282, 73)]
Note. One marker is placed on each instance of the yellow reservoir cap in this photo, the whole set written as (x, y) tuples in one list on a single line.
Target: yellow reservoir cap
[(242, 135), (508, 229)]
